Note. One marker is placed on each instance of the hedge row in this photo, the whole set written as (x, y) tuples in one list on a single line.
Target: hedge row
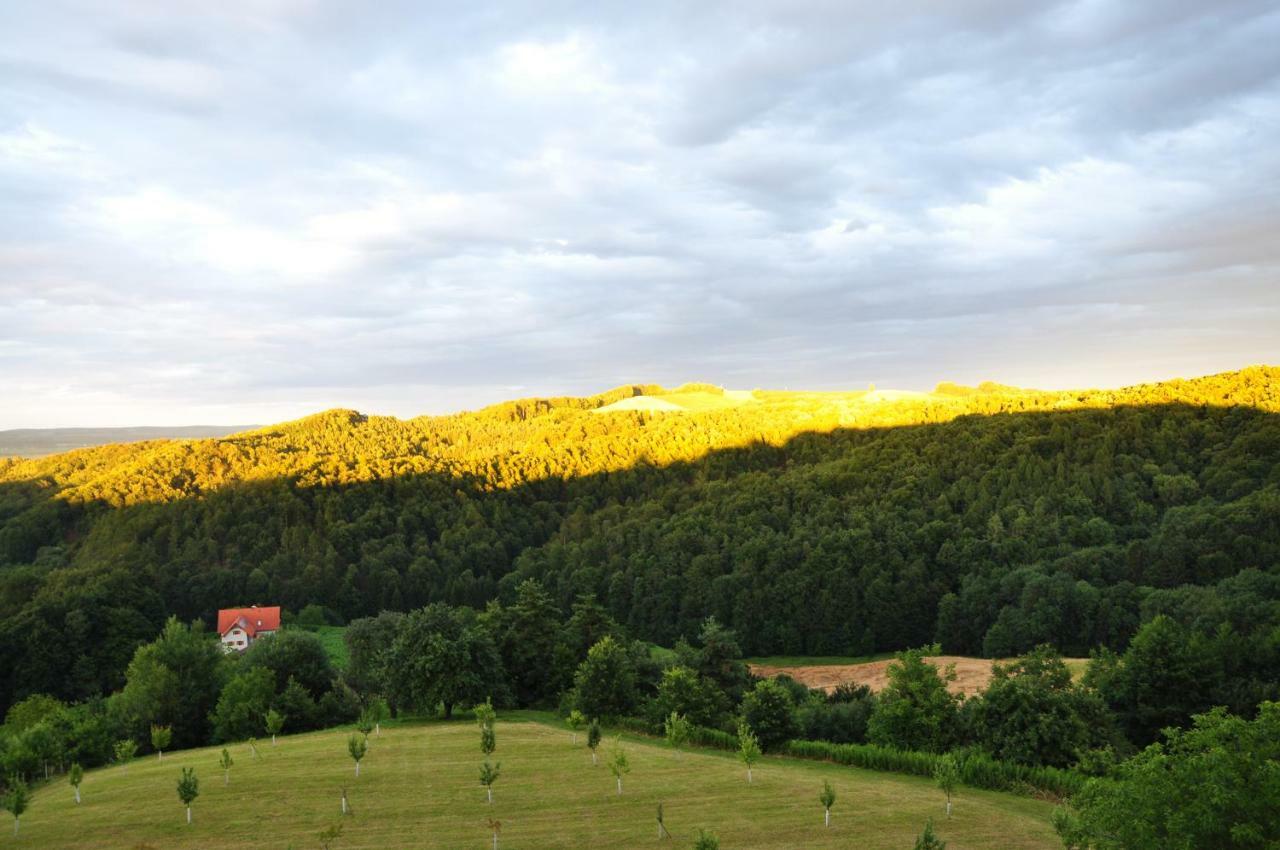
[(699, 736), (976, 770)]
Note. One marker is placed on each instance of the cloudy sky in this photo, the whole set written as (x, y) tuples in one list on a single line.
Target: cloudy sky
[(246, 211)]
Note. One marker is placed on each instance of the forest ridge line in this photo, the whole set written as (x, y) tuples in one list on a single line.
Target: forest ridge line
[(526, 440)]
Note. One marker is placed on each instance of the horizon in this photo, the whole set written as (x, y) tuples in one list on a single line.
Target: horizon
[(258, 211)]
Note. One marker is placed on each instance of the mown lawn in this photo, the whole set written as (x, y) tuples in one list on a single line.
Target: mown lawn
[(419, 788)]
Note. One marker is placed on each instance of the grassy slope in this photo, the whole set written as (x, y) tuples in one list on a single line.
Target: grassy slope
[(331, 637), (418, 788)]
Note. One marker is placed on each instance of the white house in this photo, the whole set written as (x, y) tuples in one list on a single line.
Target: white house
[(239, 627)]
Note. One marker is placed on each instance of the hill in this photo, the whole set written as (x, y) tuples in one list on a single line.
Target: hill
[(419, 783), (989, 518), (37, 442)]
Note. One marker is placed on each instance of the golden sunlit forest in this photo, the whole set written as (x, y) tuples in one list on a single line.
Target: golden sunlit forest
[(988, 518)]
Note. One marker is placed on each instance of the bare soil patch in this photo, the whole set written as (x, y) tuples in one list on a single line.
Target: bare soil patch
[(972, 674)]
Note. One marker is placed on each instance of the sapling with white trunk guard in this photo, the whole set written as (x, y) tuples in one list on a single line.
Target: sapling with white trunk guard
[(17, 800), (619, 765), (496, 826), (75, 776), (748, 747), (378, 712), (488, 775), (593, 739), (357, 746), (828, 799), (188, 789), (947, 775), (274, 721), (225, 763), (160, 738), (576, 720)]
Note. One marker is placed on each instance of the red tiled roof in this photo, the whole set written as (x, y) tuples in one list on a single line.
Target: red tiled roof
[(252, 620)]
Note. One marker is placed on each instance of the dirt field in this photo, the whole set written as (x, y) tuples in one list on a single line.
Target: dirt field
[(972, 674)]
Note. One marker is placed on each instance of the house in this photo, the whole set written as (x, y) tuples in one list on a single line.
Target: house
[(240, 627)]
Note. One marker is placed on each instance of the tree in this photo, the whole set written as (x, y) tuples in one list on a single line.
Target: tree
[(604, 684), (364, 723), (593, 738), (485, 719), (946, 775), (496, 826), (915, 711), (173, 682), (748, 747), (16, 800), (489, 775), (927, 840), (160, 738), (1215, 785), (297, 706), (619, 765), (662, 826), (1031, 713), (677, 730), (274, 721), (828, 799), (440, 658), (292, 654), (368, 639), (720, 659), (124, 751), (357, 746), (225, 763), (75, 776), (378, 712), (697, 698), (188, 789), (769, 710), (244, 699), (528, 635), (576, 720), (706, 841)]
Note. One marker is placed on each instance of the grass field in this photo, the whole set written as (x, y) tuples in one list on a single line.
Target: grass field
[(331, 637), (419, 788)]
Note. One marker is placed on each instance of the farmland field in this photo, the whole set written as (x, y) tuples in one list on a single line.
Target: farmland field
[(419, 788), (825, 673)]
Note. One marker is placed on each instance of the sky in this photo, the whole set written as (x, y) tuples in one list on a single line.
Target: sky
[(244, 212)]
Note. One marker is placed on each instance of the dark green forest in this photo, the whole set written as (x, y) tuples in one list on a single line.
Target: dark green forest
[(988, 519)]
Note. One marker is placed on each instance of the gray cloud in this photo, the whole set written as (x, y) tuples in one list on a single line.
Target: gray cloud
[(256, 210)]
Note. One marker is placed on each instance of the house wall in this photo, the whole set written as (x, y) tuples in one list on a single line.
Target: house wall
[(236, 639)]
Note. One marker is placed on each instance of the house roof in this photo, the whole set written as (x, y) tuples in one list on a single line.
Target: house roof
[(252, 619)]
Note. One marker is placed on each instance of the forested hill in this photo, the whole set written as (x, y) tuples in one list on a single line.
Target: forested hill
[(989, 517)]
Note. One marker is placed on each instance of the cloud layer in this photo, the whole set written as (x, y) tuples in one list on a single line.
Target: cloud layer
[(251, 212)]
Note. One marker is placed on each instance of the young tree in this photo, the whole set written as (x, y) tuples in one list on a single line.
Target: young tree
[(619, 765), (496, 826), (662, 825), (188, 789), (364, 723), (770, 712), (75, 776), (605, 683), (357, 746), (378, 712), (828, 799), (346, 806), (593, 739), (488, 775), (17, 800), (330, 834), (927, 840), (677, 729), (253, 747), (706, 841), (915, 711), (274, 721), (947, 776), (485, 719), (125, 751), (748, 747), (576, 721), (160, 738), (225, 763)]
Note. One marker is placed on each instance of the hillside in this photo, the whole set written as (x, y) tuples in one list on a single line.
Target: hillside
[(421, 781), (990, 518)]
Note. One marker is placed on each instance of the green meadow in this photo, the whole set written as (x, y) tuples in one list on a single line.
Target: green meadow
[(419, 787)]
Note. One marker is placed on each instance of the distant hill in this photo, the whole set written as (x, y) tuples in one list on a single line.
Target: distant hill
[(38, 442)]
